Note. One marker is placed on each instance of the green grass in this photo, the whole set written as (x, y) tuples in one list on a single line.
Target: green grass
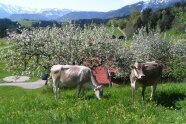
[(39, 106), (27, 23), (172, 36), (115, 31), (3, 42)]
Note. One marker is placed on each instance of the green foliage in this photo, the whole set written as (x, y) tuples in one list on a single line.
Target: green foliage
[(178, 70), (165, 19), (179, 23), (178, 62), (39, 106), (6, 24), (134, 22), (3, 73), (121, 23)]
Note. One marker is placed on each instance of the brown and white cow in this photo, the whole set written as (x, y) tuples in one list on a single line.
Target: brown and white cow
[(73, 76), (145, 74)]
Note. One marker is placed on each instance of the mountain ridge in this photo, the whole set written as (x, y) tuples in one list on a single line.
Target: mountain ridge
[(17, 13)]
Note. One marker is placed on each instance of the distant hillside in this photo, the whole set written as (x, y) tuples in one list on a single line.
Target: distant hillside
[(27, 16), (83, 15), (124, 11)]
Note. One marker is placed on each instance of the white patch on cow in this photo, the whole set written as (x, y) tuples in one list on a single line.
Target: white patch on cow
[(81, 70), (135, 73), (145, 65), (133, 84), (56, 67)]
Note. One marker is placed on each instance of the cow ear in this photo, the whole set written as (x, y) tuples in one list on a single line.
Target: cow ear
[(132, 66)]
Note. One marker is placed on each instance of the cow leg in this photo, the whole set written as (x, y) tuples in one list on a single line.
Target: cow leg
[(82, 91), (153, 89), (143, 93), (56, 89), (79, 88), (58, 92), (133, 83)]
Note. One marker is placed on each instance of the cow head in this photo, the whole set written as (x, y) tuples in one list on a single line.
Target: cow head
[(98, 91), (137, 70)]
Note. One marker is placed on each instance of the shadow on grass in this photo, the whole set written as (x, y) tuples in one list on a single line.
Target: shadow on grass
[(169, 99)]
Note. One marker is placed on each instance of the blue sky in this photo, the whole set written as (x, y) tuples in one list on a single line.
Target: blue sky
[(84, 5)]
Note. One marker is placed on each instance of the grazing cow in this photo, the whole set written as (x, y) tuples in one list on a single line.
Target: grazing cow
[(73, 76), (145, 74)]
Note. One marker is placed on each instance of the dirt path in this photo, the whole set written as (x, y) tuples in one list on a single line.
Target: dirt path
[(27, 85)]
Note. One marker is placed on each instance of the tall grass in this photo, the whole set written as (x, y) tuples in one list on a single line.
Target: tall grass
[(39, 106)]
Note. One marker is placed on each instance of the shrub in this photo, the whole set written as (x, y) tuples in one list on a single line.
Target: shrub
[(146, 47), (178, 61), (178, 69)]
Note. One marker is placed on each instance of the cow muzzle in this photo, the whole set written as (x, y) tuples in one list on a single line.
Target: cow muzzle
[(141, 76), (98, 91)]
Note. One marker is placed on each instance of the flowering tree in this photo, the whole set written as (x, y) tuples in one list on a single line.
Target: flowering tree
[(36, 50), (150, 46)]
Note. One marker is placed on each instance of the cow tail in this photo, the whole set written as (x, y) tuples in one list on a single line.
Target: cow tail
[(48, 78)]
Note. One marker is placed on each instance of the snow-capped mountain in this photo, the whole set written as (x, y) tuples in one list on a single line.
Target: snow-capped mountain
[(17, 12), (8, 11), (121, 12), (158, 4)]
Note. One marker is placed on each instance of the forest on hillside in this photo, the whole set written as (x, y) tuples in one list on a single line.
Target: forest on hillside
[(170, 18)]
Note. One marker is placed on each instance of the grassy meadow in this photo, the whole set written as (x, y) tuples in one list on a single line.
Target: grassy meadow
[(20, 106), (27, 23)]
